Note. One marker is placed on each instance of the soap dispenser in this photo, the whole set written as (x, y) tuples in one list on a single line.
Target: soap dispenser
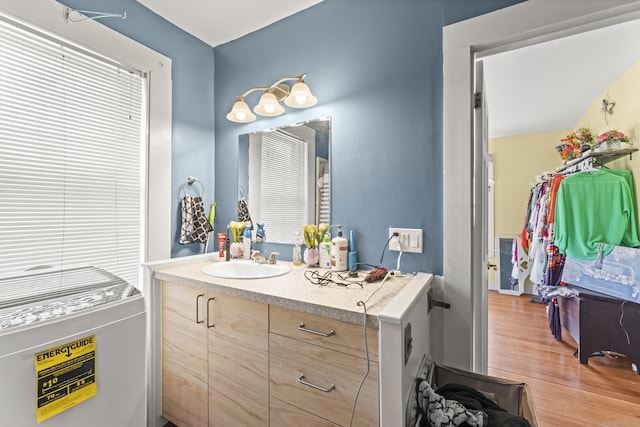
[(339, 249)]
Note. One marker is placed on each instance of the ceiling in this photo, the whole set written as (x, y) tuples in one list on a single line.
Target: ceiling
[(550, 86), (543, 87), (216, 22)]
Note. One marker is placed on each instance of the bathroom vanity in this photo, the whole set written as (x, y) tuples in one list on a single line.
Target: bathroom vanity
[(281, 351)]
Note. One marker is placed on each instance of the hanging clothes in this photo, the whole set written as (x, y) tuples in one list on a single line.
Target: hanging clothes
[(595, 207), (539, 237), (195, 226), (555, 260)]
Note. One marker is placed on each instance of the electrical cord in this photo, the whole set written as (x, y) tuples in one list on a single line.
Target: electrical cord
[(363, 304), (366, 350), (386, 276), (620, 322), (387, 245), (331, 277)]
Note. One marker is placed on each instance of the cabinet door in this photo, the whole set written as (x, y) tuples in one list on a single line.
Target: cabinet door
[(184, 355), (238, 362)]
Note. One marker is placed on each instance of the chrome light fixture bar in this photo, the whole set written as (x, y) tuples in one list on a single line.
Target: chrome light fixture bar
[(298, 96)]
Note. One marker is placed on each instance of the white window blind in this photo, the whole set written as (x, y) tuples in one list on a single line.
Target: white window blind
[(283, 182), (71, 157)]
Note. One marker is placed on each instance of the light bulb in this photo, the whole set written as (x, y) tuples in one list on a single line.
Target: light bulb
[(300, 96), (240, 113), (268, 105)]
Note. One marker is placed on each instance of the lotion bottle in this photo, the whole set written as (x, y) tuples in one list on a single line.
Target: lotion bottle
[(325, 251), (339, 250)]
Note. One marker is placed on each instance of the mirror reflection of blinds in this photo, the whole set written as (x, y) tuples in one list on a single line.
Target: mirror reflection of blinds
[(283, 182), (71, 157), (324, 192)]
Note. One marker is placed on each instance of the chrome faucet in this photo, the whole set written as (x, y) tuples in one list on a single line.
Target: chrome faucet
[(257, 257), (272, 257)]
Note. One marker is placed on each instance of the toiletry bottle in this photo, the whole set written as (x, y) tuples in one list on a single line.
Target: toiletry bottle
[(339, 249), (352, 257), (260, 234), (246, 241), (227, 247), (297, 249), (325, 251)]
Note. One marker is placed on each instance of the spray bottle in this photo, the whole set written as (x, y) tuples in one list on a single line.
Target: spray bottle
[(339, 250)]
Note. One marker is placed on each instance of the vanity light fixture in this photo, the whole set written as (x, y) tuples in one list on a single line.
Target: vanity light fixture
[(298, 96)]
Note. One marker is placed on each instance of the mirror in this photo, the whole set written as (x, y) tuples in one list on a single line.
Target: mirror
[(284, 177)]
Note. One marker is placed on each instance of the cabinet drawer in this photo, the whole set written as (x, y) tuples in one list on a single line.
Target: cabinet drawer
[(293, 361), (346, 337), (285, 415)]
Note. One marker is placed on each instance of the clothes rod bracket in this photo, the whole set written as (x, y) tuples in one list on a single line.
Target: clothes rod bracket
[(90, 15)]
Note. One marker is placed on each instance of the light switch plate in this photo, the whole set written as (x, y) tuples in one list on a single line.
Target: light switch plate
[(408, 240)]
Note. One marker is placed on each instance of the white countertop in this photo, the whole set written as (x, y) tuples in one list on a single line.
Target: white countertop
[(293, 290)]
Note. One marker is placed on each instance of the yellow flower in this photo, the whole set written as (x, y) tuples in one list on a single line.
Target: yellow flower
[(237, 228), (322, 229), (310, 232)]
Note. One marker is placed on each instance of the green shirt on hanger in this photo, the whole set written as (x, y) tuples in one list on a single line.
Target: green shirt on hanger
[(592, 208)]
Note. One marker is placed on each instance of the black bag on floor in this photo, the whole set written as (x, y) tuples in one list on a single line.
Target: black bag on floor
[(471, 398)]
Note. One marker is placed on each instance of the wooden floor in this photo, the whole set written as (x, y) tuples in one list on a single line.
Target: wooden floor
[(606, 392)]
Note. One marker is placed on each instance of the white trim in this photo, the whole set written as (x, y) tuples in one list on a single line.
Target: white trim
[(526, 23)]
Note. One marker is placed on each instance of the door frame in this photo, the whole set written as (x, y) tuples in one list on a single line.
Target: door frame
[(524, 24)]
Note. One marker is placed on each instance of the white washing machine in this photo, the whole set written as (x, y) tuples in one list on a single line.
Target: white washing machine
[(72, 350)]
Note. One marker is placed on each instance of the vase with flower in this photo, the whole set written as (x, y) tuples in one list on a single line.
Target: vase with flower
[(575, 144), (313, 235), (237, 229), (610, 140)]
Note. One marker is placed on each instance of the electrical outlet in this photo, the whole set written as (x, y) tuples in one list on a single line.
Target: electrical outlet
[(408, 239)]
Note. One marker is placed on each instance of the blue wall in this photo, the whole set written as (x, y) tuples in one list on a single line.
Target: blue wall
[(193, 95), (376, 68)]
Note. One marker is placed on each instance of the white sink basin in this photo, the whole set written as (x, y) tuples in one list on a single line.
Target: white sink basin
[(236, 269)]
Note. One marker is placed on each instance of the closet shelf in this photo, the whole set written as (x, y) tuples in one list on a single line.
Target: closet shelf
[(599, 158)]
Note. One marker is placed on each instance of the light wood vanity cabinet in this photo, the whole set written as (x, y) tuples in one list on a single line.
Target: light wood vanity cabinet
[(214, 359), (228, 361), (315, 366)]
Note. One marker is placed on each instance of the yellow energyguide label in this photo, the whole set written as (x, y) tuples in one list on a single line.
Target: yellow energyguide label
[(66, 376)]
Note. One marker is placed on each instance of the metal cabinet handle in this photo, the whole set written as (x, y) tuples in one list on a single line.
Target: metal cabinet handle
[(311, 331), (317, 387), (209, 325), (198, 309)]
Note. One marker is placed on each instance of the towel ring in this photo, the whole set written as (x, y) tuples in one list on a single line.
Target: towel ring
[(190, 181)]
